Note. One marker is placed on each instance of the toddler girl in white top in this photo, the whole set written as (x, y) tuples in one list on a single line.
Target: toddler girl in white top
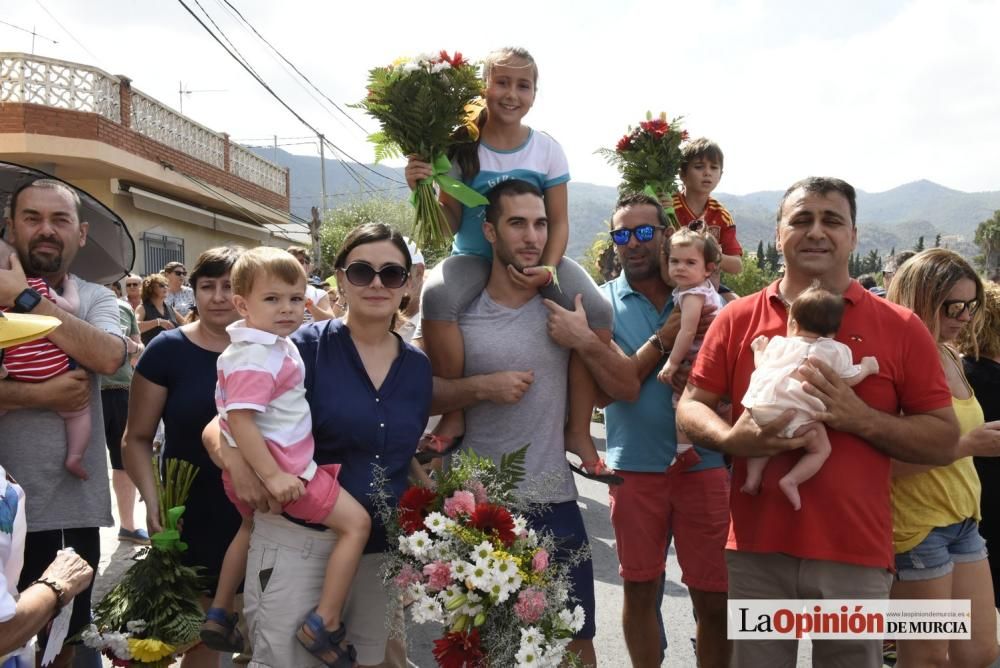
[(689, 260), (776, 385)]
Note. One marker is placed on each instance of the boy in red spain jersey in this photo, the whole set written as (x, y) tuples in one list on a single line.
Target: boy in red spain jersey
[(701, 170)]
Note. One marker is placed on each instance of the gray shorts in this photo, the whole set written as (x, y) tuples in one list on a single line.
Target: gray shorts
[(285, 569), (455, 283)]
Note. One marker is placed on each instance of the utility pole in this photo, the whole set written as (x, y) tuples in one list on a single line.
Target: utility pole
[(314, 237), (275, 148), (322, 171), (314, 227)]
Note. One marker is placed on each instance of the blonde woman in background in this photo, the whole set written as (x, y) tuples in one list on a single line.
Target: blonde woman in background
[(940, 553)]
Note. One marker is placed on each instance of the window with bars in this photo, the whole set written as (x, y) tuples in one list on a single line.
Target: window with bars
[(159, 249)]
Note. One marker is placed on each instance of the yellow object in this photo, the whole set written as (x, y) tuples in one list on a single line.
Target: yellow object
[(149, 650), (18, 328), (472, 111), (940, 497)]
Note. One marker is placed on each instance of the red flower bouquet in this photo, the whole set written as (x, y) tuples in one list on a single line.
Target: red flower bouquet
[(649, 159)]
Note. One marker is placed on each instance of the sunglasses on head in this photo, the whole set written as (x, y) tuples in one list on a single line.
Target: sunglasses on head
[(643, 233), (362, 274), (954, 308)]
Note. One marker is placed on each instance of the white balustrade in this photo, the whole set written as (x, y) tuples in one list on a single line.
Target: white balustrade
[(55, 83), (160, 122), (251, 167)]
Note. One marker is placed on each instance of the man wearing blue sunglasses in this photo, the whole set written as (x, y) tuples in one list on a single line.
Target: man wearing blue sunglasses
[(652, 506)]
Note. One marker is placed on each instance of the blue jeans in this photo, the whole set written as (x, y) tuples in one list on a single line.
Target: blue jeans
[(937, 554)]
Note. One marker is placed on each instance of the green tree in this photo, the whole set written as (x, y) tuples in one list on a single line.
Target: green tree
[(599, 259), (761, 260), (773, 258), (920, 245), (937, 240), (339, 222), (873, 262), (988, 239), (751, 279)]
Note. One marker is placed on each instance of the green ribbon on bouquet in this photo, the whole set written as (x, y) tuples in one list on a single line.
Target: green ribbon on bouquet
[(450, 185), (170, 538), (668, 209)]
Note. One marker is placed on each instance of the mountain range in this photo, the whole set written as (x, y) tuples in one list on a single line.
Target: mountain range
[(895, 218)]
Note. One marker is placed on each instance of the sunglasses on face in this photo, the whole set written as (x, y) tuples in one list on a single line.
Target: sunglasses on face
[(179, 272), (132, 285), (362, 274), (643, 233), (954, 308)]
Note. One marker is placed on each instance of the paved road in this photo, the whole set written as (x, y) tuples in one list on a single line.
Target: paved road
[(610, 644)]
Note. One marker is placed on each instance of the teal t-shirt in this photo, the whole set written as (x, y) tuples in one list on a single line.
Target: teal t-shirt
[(642, 435), (540, 160)]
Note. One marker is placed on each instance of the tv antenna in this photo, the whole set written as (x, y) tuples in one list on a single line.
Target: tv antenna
[(181, 92)]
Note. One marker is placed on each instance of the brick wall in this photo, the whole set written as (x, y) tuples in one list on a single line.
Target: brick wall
[(39, 119)]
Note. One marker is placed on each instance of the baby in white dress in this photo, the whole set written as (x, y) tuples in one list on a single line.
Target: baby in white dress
[(776, 384)]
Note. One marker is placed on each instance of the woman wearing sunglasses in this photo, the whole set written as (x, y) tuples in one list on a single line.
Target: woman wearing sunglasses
[(940, 553), (369, 394), (180, 297)]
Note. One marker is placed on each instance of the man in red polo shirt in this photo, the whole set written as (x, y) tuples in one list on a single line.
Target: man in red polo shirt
[(839, 545)]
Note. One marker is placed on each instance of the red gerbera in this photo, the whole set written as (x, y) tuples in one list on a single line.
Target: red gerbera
[(459, 650), (414, 506), (494, 520), (417, 498), (454, 61), (623, 143), (657, 127)]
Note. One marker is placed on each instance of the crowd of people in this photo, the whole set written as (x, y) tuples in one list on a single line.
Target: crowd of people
[(816, 439)]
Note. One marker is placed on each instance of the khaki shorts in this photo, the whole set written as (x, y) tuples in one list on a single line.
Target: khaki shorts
[(285, 569), (773, 575)]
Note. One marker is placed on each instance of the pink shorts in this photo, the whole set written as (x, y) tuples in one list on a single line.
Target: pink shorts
[(314, 506), (649, 509)]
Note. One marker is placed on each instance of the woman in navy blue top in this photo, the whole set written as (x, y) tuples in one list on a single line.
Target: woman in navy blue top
[(175, 380), (369, 394)]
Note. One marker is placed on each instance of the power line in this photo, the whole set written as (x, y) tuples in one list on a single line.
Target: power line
[(292, 65), (297, 80), (30, 32), (273, 94), (245, 62), (298, 220), (71, 35)]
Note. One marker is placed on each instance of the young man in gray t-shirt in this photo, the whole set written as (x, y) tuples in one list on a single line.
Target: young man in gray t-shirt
[(505, 332)]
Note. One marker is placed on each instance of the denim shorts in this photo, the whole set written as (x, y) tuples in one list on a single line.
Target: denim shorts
[(937, 554)]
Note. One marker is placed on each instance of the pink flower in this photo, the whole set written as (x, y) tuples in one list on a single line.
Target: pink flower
[(478, 490), (407, 576), (461, 502), (438, 575), (540, 561), (530, 605)]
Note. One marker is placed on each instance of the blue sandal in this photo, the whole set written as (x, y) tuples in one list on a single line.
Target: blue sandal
[(326, 645), (219, 632)]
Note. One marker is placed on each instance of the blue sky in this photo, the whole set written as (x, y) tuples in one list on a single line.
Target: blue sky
[(878, 93)]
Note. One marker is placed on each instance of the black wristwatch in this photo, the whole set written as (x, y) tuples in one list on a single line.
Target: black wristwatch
[(26, 301)]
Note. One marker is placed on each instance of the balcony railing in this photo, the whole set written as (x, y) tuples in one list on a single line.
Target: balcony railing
[(160, 122), (55, 83), (63, 85)]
